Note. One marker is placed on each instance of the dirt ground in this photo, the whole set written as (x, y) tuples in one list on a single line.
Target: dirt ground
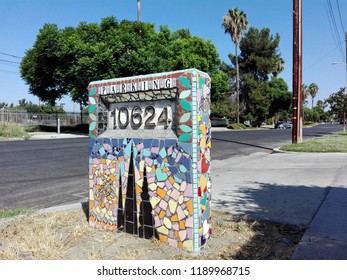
[(66, 235)]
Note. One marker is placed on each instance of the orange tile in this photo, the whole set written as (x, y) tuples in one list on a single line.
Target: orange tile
[(112, 178), (171, 180), (162, 214), (91, 204), (138, 189), (163, 238), (161, 193), (189, 204), (182, 225), (174, 218)]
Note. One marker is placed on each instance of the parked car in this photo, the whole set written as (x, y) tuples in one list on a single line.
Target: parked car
[(288, 125), (279, 125)]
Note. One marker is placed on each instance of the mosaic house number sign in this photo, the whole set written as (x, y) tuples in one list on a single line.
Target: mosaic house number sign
[(149, 156)]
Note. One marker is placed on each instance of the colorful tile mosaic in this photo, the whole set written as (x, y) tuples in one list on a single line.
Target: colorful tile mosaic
[(153, 186)]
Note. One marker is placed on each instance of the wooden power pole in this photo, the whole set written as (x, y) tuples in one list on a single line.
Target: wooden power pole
[(297, 72)]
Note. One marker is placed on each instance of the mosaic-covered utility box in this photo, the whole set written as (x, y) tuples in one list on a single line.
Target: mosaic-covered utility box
[(150, 155)]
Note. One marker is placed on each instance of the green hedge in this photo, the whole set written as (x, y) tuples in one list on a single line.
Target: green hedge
[(237, 126)]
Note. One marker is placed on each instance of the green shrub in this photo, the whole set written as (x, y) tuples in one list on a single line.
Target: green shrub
[(32, 128), (237, 126), (12, 130)]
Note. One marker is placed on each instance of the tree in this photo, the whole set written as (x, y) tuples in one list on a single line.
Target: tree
[(258, 58), (234, 22), (3, 105), (64, 61), (259, 53), (220, 86), (39, 66), (313, 89), (305, 93), (281, 98), (338, 105), (22, 102), (279, 67)]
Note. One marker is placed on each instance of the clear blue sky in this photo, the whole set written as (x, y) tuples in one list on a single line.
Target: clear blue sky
[(22, 19)]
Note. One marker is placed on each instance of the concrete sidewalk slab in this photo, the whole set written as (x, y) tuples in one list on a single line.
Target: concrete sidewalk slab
[(281, 187), (54, 135), (326, 236)]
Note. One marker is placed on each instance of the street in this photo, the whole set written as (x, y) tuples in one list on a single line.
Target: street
[(45, 173)]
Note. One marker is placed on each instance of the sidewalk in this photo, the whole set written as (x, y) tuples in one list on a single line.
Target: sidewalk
[(326, 236), (302, 189), (54, 135)]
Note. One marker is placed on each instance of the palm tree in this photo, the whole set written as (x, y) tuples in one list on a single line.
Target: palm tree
[(279, 67), (234, 22), (305, 93), (313, 89), (138, 11)]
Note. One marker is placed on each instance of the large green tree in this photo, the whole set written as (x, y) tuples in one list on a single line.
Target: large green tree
[(259, 60), (281, 98), (338, 105), (234, 23), (39, 67), (65, 61)]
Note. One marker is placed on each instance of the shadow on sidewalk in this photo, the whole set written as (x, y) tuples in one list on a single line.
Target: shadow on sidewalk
[(290, 209), (294, 205)]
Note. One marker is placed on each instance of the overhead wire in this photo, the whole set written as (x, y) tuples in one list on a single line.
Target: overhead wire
[(334, 29), (340, 16), (11, 55), (9, 61)]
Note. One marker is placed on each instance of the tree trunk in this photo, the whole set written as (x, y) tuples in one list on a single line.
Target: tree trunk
[(237, 83)]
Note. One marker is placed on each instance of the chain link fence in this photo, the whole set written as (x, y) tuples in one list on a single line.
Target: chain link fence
[(24, 118)]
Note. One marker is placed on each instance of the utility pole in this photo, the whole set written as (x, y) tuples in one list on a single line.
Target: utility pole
[(346, 62), (138, 11), (297, 72)]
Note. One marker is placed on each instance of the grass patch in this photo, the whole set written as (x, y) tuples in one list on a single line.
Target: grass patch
[(236, 126), (4, 213), (335, 143), (12, 130)]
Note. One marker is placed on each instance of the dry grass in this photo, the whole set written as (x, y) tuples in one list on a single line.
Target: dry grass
[(67, 235)]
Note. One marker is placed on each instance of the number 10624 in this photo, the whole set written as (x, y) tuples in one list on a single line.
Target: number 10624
[(137, 117)]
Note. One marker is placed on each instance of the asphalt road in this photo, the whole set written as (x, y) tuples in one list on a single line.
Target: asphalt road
[(226, 144), (45, 173)]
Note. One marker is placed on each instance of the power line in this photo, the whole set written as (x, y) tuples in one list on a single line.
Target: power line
[(341, 21), (320, 59), (9, 61), (11, 55), (334, 28)]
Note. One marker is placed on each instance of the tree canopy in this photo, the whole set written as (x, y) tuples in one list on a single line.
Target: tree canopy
[(64, 61), (262, 92), (338, 105)]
